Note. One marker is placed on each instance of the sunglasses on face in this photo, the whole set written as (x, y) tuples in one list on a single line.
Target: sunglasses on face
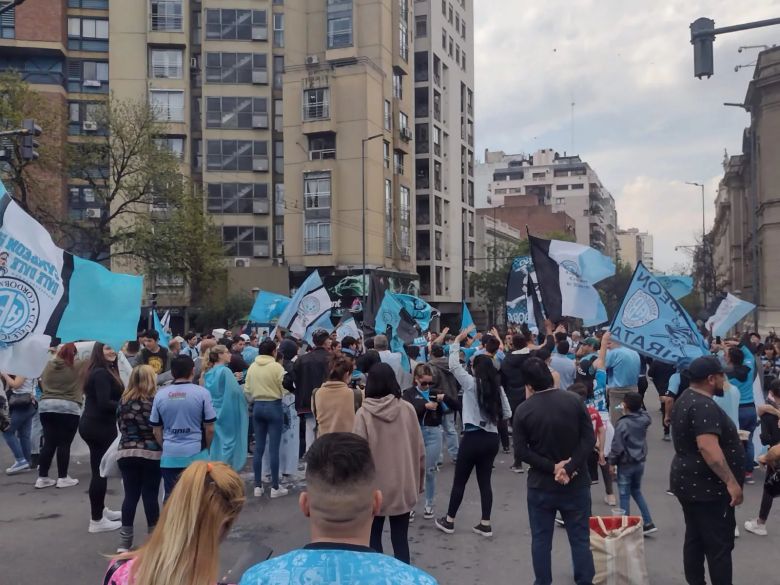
[(425, 384)]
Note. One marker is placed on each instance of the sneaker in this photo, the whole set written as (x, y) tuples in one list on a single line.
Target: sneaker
[(756, 528), (66, 482), (104, 525), (411, 517), (749, 478), (610, 500), (278, 493), (483, 530), (428, 512), (559, 520), (507, 451), (648, 529), (517, 469), (444, 525), (736, 532), (667, 437), (112, 515), (44, 482), (669, 493), (259, 491), (18, 467)]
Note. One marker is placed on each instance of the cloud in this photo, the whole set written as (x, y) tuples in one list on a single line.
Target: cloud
[(640, 118)]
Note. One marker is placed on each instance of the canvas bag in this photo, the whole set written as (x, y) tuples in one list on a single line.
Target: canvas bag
[(618, 548)]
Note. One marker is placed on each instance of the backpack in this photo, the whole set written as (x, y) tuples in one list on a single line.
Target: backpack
[(357, 395), (445, 381)]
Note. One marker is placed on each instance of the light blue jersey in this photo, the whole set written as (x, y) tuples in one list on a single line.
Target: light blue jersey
[(335, 564)]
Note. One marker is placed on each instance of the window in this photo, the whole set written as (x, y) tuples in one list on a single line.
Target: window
[(398, 85), (174, 144), (245, 241), (578, 186), (168, 106), (437, 141), (317, 198), (561, 187), (87, 28), (322, 146), (398, 162), (444, 7), (94, 4), (166, 64), (166, 15), (403, 121), (8, 23), (279, 239), (237, 155), (388, 115), (560, 200), (278, 29), (339, 24), (316, 104), (242, 25), (93, 73), (236, 68), (388, 218), (403, 37), (278, 71), (449, 14), (279, 157), (421, 26), (236, 112), (86, 118), (386, 153), (238, 198), (406, 220), (278, 116), (279, 199), (444, 39)]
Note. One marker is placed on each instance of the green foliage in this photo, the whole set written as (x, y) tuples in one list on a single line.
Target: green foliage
[(613, 289)]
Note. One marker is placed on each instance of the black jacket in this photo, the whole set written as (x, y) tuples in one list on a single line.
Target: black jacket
[(512, 372), (428, 418), (102, 393), (770, 433), (310, 371)]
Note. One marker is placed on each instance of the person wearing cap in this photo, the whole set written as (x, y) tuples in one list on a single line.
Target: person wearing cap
[(707, 473)]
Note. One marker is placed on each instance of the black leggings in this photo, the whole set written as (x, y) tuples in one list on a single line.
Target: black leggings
[(766, 505), (59, 429), (98, 436), (503, 433), (399, 536), (141, 479), (606, 473), (477, 449)]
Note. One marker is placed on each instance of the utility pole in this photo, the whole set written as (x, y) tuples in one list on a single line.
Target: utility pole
[(363, 188), (703, 33)]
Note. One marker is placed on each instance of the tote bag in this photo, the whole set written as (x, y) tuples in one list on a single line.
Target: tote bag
[(618, 548)]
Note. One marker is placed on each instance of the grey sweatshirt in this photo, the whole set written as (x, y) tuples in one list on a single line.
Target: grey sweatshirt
[(630, 442)]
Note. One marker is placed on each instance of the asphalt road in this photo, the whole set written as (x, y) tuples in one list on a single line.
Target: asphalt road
[(44, 539)]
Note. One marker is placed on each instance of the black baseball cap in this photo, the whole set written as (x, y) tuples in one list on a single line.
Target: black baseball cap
[(702, 367)]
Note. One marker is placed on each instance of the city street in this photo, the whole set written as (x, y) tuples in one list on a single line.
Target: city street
[(44, 539)]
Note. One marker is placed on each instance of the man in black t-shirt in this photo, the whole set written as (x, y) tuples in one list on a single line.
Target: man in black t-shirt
[(707, 473), (153, 354)]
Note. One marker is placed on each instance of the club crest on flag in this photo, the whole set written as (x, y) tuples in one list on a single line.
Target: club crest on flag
[(571, 267), (19, 310), (641, 309), (310, 309)]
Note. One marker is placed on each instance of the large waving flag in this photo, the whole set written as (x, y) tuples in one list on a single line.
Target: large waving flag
[(392, 319), (46, 292), (652, 322), (466, 320), (566, 273), (310, 305), (678, 286), (730, 312), (419, 310), (165, 339), (268, 307), (348, 328)]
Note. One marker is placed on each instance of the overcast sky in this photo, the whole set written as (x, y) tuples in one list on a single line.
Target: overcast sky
[(641, 119)]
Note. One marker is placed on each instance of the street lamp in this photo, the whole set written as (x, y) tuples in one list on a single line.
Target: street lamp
[(703, 229), (703, 237), (363, 186)]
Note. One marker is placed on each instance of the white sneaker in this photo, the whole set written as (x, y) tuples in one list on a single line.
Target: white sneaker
[(18, 467), (104, 525), (610, 500), (112, 515), (65, 482), (282, 491), (736, 532), (428, 512), (44, 482), (756, 528), (259, 491)]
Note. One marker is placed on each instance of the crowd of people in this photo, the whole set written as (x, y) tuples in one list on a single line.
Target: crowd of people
[(367, 429)]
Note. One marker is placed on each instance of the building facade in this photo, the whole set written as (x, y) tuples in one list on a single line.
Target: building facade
[(566, 184), (635, 246)]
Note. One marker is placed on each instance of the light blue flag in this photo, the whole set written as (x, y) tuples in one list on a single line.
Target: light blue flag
[(323, 322), (419, 310), (268, 307), (594, 266), (48, 293), (601, 316), (466, 320), (678, 286), (310, 303), (652, 322), (229, 444), (164, 337), (402, 330), (730, 312)]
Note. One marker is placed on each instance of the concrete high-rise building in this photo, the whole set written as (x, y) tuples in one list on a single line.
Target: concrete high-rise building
[(648, 253), (444, 151), (565, 183), (635, 246)]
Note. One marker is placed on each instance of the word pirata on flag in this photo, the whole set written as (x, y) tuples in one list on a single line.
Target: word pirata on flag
[(517, 300), (466, 320), (165, 339), (309, 309), (730, 312), (678, 286), (652, 322), (268, 307), (48, 293), (417, 308), (566, 273)]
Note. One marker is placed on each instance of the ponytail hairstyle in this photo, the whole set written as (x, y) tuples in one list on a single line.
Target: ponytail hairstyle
[(67, 353), (211, 357), (488, 385), (184, 547)]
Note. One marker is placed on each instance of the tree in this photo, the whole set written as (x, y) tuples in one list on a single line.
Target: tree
[(613, 289)]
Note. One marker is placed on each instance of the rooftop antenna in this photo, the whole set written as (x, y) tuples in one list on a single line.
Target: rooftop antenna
[(573, 103)]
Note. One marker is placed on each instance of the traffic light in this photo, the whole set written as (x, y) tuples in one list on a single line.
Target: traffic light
[(702, 40), (29, 142)]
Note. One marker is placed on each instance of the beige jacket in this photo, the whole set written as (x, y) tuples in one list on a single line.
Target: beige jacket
[(390, 426), (333, 405)]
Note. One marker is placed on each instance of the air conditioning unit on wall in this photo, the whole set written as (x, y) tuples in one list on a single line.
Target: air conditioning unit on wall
[(242, 262)]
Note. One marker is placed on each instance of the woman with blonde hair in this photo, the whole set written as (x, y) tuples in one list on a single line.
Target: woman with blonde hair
[(231, 437), (138, 453), (184, 547)]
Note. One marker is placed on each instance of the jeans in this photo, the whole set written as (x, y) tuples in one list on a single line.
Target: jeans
[(399, 536), (17, 437), (141, 480), (450, 434), (575, 510), (36, 434), (709, 534), (268, 421), (98, 435), (59, 429), (478, 449), (748, 421), (432, 440), (630, 486), (170, 476)]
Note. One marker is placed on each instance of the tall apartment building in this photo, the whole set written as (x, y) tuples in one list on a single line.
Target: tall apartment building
[(635, 246), (567, 184), (444, 149)]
